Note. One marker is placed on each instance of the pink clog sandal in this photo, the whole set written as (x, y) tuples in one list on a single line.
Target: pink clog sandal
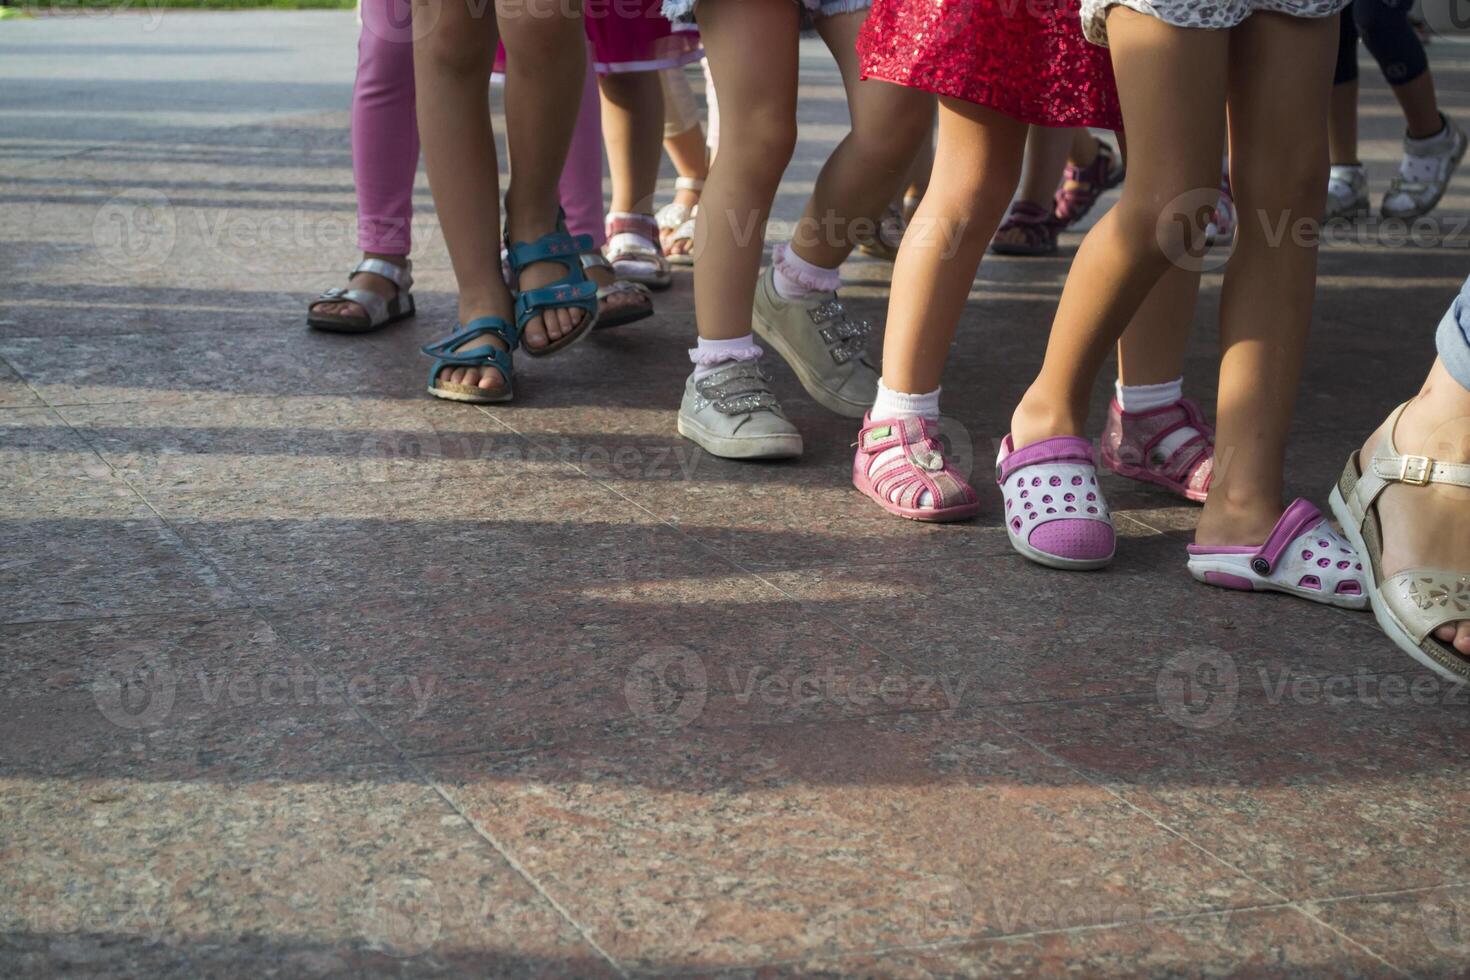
[(1130, 447), (1055, 512), (901, 466), (1303, 556)]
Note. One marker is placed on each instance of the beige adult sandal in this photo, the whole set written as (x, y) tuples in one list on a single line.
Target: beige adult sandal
[(1409, 605)]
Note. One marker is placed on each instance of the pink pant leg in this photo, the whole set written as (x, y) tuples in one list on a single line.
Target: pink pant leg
[(581, 178), (385, 132)]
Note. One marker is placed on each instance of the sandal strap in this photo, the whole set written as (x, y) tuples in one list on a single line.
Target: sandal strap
[(672, 216), (400, 276), (595, 260), (623, 286), (491, 326), (689, 183), (373, 304), (564, 293), (1388, 466), (558, 246)]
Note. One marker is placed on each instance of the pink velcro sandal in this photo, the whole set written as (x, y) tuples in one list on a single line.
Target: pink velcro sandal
[(633, 249), (901, 466), (1055, 512), (1131, 447), (1303, 556)]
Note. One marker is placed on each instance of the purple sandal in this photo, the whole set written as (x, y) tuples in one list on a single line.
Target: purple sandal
[(1055, 512), (1303, 556), (1082, 186), (1027, 230)]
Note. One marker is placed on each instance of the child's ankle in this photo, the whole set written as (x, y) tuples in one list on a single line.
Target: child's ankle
[(1035, 419), (711, 355), (1241, 521), (795, 278), (891, 404)]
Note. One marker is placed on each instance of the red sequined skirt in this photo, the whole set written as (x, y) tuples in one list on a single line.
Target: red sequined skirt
[(1025, 58)]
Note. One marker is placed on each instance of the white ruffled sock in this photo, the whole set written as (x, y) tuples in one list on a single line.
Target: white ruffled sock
[(1143, 398), (796, 278), (711, 355)]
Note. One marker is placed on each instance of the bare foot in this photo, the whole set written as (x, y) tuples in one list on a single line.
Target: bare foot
[(1429, 527)]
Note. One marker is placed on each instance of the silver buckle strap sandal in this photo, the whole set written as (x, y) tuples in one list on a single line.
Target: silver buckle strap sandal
[(380, 310)]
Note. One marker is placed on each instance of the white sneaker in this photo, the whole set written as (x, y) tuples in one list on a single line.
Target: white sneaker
[(1347, 192), (1424, 172), (732, 412)]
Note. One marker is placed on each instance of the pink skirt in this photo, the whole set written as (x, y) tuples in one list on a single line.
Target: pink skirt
[(631, 35)]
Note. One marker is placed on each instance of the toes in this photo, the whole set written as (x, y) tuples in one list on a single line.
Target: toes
[(535, 334), (490, 379), (1462, 640)]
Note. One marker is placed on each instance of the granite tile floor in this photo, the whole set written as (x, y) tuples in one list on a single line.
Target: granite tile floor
[(306, 674)]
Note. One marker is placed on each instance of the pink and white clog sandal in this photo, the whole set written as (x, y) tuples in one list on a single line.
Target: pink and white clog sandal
[(901, 466), (1054, 509), (1303, 556)]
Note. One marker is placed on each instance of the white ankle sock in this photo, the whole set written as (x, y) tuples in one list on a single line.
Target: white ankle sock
[(711, 355), (892, 404), (796, 277), (1142, 398)]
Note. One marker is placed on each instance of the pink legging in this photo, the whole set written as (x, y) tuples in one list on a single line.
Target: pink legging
[(385, 138)]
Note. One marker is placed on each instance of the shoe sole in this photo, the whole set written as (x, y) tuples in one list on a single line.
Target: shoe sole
[(929, 515), (819, 394), (1227, 575), (726, 447), (1387, 621), (1142, 475)]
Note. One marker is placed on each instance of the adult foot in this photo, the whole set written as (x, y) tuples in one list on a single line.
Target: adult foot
[(1429, 526)]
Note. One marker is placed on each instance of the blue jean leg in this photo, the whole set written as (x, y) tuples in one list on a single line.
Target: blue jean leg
[(1453, 337)]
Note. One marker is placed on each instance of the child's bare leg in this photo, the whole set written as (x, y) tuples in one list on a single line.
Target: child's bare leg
[(1156, 220), (1047, 152), (546, 58), (452, 65), (865, 170), (1279, 91), (1151, 350), (751, 46), (936, 265), (633, 128)]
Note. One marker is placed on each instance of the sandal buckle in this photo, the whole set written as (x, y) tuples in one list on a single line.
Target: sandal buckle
[(1415, 470)]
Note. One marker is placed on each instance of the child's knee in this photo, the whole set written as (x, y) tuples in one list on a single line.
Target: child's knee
[(763, 143), (1164, 227), (458, 52)]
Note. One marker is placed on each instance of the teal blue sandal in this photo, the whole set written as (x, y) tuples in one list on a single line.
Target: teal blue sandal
[(572, 291), (484, 355)]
